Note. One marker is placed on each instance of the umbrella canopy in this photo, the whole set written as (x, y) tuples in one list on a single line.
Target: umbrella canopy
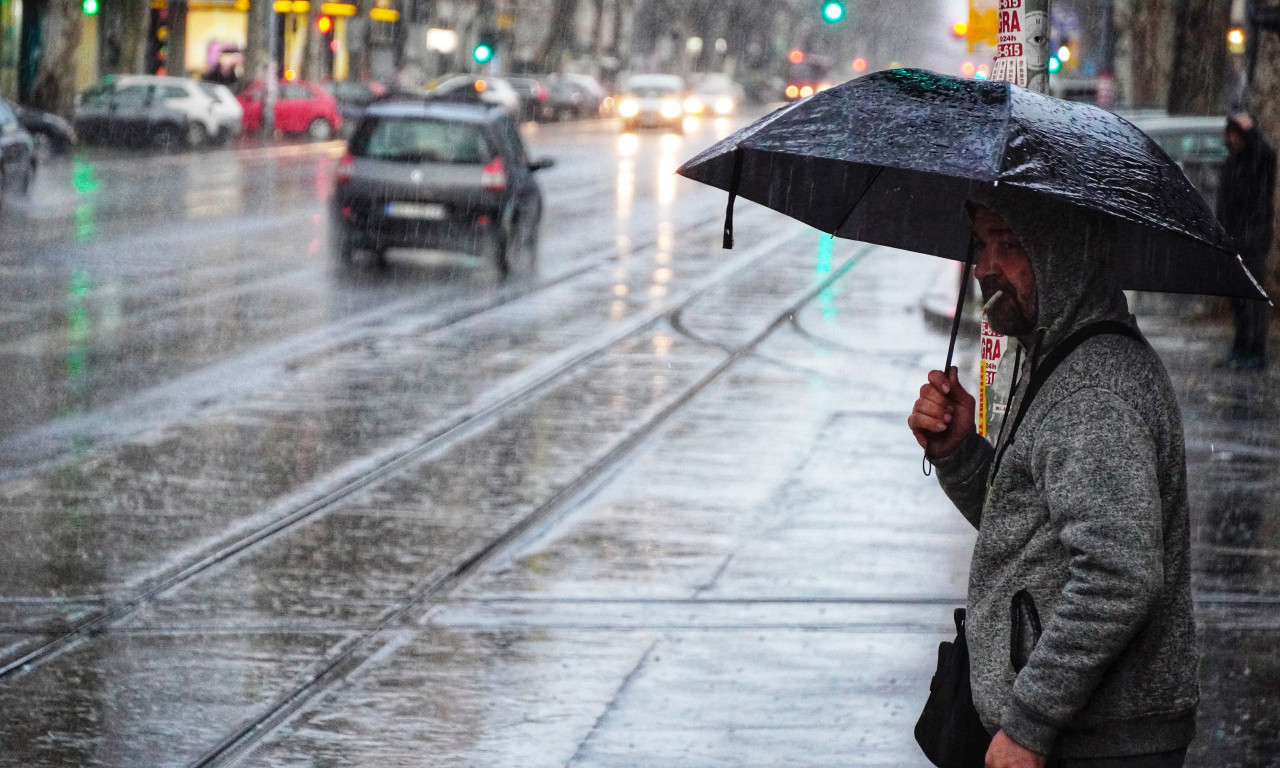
[(892, 157)]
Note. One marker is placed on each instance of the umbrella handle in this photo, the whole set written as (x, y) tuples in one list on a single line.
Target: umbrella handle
[(734, 179), (925, 465), (955, 320)]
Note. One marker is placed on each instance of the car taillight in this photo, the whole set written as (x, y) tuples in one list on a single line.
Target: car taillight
[(343, 174), (541, 92), (493, 177)]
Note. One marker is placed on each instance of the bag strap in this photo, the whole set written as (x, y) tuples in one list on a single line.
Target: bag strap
[(1040, 373)]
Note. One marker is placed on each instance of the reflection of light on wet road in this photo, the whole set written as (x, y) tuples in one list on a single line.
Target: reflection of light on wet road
[(620, 290), (827, 298), (77, 341), (84, 181), (662, 344), (626, 191), (627, 144), (721, 128), (618, 309), (662, 275), (667, 164)]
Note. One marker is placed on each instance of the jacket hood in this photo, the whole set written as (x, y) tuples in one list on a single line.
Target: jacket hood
[(1072, 253)]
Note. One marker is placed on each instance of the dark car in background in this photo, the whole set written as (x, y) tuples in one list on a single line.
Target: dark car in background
[(438, 175), (17, 153), (573, 96), (1196, 143), (353, 96), (52, 135), (533, 95)]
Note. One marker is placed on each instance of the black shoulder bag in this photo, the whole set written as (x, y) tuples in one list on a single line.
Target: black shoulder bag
[(949, 730)]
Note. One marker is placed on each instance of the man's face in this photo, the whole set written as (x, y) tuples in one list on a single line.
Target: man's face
[(1001, 264)]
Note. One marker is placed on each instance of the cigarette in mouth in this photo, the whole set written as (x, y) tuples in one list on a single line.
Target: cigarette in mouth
[(994, 298)]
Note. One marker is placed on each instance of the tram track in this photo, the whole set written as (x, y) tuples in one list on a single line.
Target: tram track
[(380, 465), (372, 644)]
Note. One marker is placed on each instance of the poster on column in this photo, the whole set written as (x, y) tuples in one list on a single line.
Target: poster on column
[(1022, 58), (1022, 44)]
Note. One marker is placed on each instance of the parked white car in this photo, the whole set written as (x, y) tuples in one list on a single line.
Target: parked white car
[(228, 113), (164, 111)]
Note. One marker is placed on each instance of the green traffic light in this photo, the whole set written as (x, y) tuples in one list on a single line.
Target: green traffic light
[(90, 7), (482, 53), (832, 12), (1054, 64)]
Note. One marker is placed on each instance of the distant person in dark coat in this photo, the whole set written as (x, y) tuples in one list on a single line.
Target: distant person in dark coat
[(1246, 193)]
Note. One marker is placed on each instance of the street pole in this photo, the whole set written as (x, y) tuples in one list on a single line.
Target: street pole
[(273, 77)]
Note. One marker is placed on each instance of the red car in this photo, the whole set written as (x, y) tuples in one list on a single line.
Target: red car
[(301, 107)]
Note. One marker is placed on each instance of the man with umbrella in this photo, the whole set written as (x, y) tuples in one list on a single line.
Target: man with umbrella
[(1084, 509), (1081, 503)]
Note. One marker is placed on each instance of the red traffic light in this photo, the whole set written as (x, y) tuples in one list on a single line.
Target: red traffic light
[(796, 56), (324, 24)]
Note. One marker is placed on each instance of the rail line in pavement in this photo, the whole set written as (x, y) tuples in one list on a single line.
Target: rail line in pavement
[(372, 643), (381, 465)]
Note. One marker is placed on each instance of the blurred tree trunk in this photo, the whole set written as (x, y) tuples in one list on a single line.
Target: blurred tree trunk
[(559, 36), (597, 34), (1199, 71), (122, 35), (1264, 104), (54, 86), (1146, 45)]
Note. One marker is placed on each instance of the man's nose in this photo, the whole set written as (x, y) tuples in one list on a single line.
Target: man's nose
[(983, 264)]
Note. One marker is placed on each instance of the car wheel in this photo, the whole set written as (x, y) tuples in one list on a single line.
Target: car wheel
[(28, 176), (196, 135), (166, 138), (501, 255), (320, 130), (341, 245), (44, 145)]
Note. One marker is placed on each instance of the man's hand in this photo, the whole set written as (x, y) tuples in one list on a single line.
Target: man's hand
[(1004, 752), (942, 418)]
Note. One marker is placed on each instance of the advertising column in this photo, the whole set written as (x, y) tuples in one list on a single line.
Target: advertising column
[(1021, 58)]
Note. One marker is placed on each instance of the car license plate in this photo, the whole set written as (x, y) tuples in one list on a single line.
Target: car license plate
[(402, 210)]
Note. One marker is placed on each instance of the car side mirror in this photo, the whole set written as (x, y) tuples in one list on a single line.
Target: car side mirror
[(538, 165)]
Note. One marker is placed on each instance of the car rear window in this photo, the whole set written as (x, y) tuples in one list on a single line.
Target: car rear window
[(653, 91), (415, 139)]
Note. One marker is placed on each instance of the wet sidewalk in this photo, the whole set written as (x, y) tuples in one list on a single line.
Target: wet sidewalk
[(762, 581), (765, 583)]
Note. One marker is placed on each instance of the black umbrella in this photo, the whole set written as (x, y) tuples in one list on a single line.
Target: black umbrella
[(891, 158)]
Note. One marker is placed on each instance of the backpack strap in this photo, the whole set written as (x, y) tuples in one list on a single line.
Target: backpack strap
[(1040, 374)]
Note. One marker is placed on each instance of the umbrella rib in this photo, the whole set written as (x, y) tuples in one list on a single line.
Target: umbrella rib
[(861, 196)]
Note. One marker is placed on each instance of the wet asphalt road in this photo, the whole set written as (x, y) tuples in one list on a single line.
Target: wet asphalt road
[(656, 506)]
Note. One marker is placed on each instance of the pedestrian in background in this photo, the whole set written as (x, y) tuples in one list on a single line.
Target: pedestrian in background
[(1079, 616), (1246, 194)]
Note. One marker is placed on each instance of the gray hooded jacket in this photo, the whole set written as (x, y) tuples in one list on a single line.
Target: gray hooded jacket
[(1086, 510)]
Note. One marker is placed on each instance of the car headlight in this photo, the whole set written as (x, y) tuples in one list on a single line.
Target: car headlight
[(693, 106), (629, 108), (671, 109), (724, 106)]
